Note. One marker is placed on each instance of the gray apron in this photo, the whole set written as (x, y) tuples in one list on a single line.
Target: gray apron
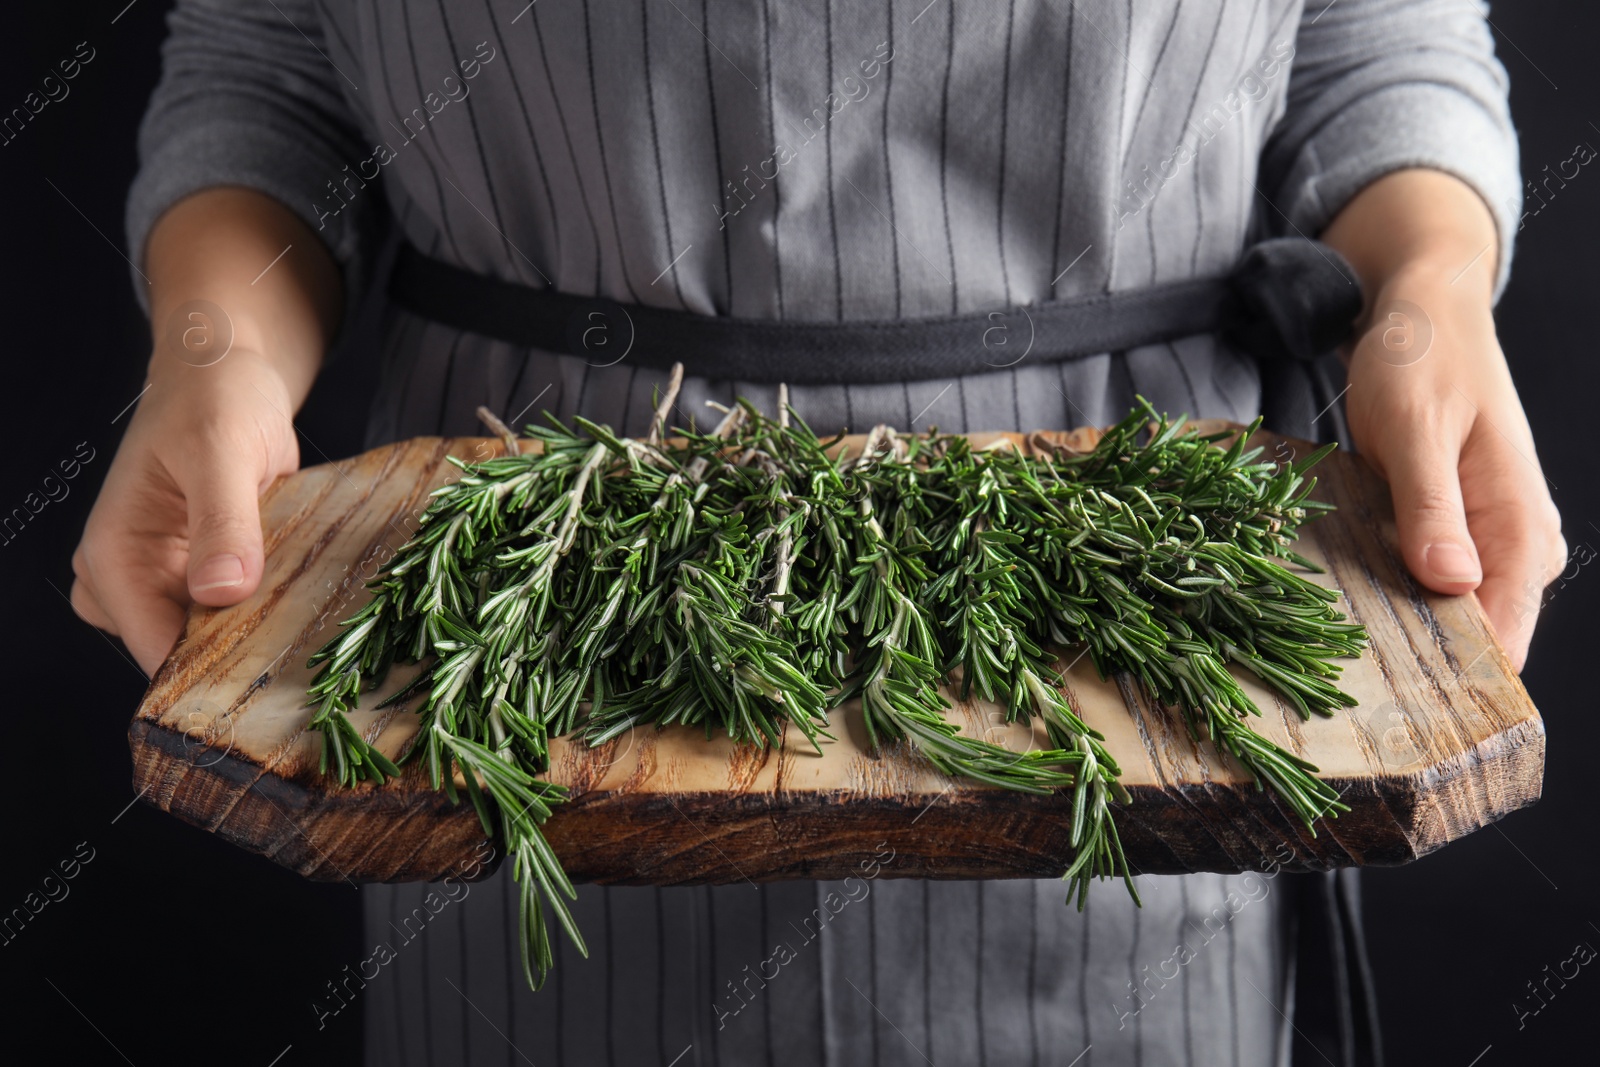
[(883, 971)]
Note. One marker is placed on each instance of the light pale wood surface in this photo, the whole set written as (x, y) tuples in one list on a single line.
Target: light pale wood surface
[(1444, 741)]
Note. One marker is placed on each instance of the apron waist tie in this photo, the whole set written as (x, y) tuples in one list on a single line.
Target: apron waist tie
[(1287, 298)]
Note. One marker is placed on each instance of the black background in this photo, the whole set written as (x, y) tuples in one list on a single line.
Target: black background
[(173, 947)]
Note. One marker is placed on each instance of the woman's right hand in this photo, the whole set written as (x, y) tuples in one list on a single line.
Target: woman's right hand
[(177, 519)]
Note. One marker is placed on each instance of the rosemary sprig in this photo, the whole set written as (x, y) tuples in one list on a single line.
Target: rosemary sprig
[(996, 598), (750, 578), (900, 665)]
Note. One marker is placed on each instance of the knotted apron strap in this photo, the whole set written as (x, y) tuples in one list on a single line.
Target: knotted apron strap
[(1335, 999), (1287, 298)]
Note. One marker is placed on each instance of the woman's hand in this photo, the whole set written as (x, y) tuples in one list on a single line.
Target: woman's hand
[(1432, 405), (177, 519), (1449, 434), (243, 299)]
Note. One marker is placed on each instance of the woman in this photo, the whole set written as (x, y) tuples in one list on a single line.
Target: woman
[(830, 162)]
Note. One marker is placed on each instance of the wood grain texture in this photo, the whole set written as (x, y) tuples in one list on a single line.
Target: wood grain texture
[(1445, 739)]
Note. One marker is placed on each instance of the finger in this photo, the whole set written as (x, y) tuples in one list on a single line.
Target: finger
[(1434, 539), (1515, 525), (157, 624), (224, 530), (88, 607), (129, 582), (1518, 564), (1512, 589), (148, 621)]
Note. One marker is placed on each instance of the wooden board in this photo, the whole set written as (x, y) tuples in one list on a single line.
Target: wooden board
[(1445, 739)]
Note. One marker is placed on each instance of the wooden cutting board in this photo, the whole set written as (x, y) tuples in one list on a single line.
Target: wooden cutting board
[(1445, 739)]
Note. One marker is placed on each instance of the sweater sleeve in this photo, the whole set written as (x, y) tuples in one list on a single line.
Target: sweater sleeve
[(1384, 85), (249, 96)]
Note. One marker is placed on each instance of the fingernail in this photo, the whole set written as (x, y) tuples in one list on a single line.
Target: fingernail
[(1449, 562), (218, 572)]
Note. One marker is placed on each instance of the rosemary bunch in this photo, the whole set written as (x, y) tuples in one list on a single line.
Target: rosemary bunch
[(749, 578), (702, 650), (997, 599), (900, 664), (1170, 546)]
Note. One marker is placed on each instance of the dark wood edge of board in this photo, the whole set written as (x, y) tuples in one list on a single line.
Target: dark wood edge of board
[(307, 830), (717, 838)]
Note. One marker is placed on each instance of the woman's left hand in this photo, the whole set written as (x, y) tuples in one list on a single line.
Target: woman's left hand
[(1432, 405)]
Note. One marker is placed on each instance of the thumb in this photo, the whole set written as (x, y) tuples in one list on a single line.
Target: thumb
[(1438, 549), (224, 533)]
